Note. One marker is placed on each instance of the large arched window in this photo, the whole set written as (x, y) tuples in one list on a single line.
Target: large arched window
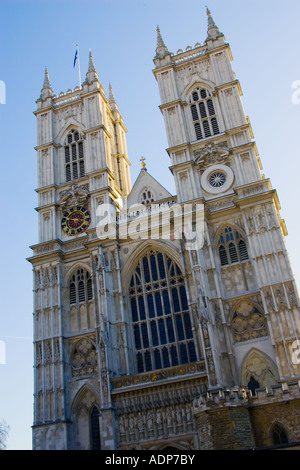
[(232, 247), (74, 158), (160, 316), (203, 114)]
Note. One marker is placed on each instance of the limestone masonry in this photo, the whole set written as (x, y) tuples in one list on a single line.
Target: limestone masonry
[(144, 341)]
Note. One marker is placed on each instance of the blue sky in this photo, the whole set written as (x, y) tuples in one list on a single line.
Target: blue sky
[(264, 39)]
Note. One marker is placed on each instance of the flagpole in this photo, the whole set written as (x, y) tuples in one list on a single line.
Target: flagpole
[(79, 77)]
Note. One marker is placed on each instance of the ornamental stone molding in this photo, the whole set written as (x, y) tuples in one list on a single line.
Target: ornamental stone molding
[(212, 154), (73, 196)]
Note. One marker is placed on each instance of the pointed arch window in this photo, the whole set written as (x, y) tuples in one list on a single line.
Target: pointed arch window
[(74, 156), (232, 247), (203, 114), (160, 316), (80, 287), (95, 429), (279, 434)]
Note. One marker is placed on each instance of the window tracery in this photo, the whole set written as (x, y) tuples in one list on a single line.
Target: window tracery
[(74, 156), (84, 358), (232, 247), (147, 196), (203, 114), (80, 287), (160, 315), (248, 322)]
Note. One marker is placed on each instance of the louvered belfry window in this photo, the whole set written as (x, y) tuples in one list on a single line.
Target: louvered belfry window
[(160, 316), (203, 114), (232, 247), (80, 287), (74, 157)]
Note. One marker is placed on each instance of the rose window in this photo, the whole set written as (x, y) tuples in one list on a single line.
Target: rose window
[(217, 179)]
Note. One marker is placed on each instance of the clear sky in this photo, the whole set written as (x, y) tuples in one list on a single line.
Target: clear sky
[(264, 39)]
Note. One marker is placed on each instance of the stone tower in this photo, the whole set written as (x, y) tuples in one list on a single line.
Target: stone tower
[(82, 164), (142, 339), (247, 279)]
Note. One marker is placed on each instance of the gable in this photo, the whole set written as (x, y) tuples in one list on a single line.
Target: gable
[(146, 189)]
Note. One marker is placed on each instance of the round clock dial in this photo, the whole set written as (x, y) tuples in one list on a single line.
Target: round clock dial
[(76, 220)]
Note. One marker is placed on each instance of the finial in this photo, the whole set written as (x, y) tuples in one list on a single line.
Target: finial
[(211, 23), (46, 85), (91, 62), (160, 41), (111, 98), (143, 164), (91, 73), (213, 31), (46, 90), (161, 49)]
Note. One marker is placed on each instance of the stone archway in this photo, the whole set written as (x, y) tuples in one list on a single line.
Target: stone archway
[(83, 408), (258, 370)]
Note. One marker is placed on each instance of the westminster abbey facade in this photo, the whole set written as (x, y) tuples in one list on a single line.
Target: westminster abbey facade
[(147, 335)]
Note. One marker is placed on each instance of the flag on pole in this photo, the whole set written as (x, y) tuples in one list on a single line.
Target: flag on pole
[(75, 58)]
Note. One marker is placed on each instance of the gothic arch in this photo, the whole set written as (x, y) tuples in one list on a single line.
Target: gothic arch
[(259, 367), (222, 227), (200, 82), (71, 124), (87, 396), (278, 434), (159, 314), (231, 244), (143, 248), (86, 400), (73, 269)]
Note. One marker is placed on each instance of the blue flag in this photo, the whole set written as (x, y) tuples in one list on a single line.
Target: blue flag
[(75, 58)]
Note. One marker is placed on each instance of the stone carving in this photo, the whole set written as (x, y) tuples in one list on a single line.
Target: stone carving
[(84, 358), (74, 196), (212, 154), (248, 322), (260, 367)]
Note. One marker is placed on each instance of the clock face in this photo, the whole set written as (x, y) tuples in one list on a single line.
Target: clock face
[(76, 220)]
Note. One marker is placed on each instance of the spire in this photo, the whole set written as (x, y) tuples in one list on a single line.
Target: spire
[(46, 90), (161, 49), (91, 73), (210, 21), (213, 31), (111, 99), (91, 63)]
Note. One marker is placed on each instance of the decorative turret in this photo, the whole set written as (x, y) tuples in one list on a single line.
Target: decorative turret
[(213, 32), (46, 91), (91, 73), (112, 100), (162, 53)]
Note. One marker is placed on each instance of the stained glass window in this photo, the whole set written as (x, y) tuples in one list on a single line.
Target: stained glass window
[(160, 316)]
